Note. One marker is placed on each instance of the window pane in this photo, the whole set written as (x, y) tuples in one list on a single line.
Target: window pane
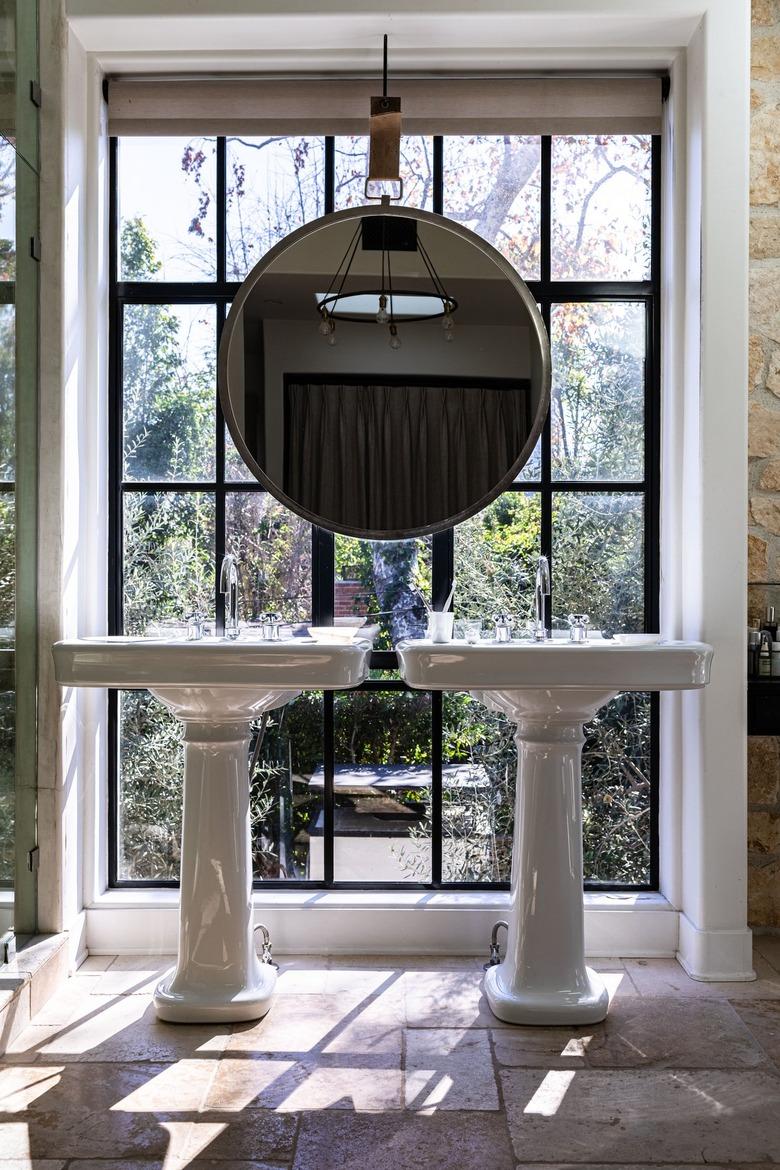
[(168, 559), (169, 391), (236, 471), (7, 564), (532, 472), (492, 185), (478, 791), (495, 559), (167, 221), (616, 792), (7, 696), (381, 580), (598, 373), (351, 169), (274, 185), (8, 163), (382, 786), (273, 550), (284, 750), (151, 772), (285, 753), (601, 207), (7, 392), (598, 563)]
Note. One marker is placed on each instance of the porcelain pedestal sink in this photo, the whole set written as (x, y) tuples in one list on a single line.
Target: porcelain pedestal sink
[(216, 687), (549, 690)]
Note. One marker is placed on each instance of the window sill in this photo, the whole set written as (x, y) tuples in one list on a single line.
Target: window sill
[(382, 900)]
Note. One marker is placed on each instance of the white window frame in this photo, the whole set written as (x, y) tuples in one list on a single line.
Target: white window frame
[(700, 912)]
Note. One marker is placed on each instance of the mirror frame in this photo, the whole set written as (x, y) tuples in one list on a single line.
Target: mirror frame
[(441, 222)]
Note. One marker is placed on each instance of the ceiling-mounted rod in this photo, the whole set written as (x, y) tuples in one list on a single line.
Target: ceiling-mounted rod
[(384, 69)]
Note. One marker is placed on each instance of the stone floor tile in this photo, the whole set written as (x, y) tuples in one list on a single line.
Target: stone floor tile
[(762, 1018), (93, 965), (671, 1033), (33, 1163), (628, 1115), (133, 974), (768, 947), (639, 1032), (401, 963), (318, 1023), (259, 1135), (126, 1029), (302, 975), (550, 1047), (181, 1087), (453, 999), (445, 1141), (364, 1084), (449, 1068), (77, 1117)]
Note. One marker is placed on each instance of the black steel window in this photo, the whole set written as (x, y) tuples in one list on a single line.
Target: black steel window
[(383, 785)]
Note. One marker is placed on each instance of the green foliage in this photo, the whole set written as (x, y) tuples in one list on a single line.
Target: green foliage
[(597, 427)]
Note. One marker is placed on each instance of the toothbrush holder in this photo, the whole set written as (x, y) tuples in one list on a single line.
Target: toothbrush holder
[(440, 625)]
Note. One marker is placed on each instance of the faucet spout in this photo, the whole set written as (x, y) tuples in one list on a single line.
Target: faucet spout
[(228, 587), (541, 593)]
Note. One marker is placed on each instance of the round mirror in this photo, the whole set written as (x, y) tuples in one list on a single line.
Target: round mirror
[(384, 372)]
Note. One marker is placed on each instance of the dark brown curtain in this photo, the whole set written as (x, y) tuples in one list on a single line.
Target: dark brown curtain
[(389, 458)]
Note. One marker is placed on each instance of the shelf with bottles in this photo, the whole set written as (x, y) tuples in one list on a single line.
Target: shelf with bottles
[(763, 658)]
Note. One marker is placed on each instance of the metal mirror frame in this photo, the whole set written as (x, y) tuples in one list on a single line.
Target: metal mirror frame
[(441, 222)]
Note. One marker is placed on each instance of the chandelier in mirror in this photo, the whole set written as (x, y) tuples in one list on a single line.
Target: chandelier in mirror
[(382, 304)]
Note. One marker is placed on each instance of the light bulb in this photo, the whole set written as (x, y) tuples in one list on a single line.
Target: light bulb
[(395, 340), (326, 327), (332, 337), (382, 316), (447, 323)]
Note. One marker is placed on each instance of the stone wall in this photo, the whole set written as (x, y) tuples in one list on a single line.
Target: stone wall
[(764, 436)]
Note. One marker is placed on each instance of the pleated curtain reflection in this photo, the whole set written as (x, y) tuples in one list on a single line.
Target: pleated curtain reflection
[(392, 458)]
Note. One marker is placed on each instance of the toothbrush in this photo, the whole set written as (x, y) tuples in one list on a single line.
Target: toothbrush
[(448, 602)]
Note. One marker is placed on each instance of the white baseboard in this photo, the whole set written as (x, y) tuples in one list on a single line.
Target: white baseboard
[(137, 922), (713, 956)]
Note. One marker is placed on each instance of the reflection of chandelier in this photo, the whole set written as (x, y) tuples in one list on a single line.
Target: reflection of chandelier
[(385, 305), (385, 234)]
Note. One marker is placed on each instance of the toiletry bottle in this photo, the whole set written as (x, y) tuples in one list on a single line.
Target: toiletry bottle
[(776, 660), (754, 639), (769, 622), (765, 655)]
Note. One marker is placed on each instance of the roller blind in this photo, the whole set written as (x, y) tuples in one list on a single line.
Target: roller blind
[(256, 106)]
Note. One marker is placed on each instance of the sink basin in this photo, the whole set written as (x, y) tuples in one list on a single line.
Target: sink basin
[(216, 687), (549, 690)]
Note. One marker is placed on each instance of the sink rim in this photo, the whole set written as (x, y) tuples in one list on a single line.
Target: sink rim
[(554, 666), (129, 663)]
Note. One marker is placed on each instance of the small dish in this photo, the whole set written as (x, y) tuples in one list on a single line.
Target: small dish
[(637, 639)]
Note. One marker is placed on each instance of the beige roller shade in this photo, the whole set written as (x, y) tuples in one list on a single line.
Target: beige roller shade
[(252, 106)]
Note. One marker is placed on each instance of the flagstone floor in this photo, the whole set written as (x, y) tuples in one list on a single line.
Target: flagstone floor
[(397, 1064)]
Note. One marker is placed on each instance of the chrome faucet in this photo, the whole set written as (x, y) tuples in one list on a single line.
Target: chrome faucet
[(541, 593), (228, 587)]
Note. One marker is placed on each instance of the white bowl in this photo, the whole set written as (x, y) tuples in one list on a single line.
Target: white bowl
[(637, 639)]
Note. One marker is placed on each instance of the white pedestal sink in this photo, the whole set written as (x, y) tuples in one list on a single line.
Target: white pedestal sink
[(549, 690), (216, 687)]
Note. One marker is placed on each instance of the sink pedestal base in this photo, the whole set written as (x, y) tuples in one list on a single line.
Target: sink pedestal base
[(218, 977), (543, 979)]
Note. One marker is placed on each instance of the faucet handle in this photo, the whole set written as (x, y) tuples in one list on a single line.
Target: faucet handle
[(578, 623), (195, 624)]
